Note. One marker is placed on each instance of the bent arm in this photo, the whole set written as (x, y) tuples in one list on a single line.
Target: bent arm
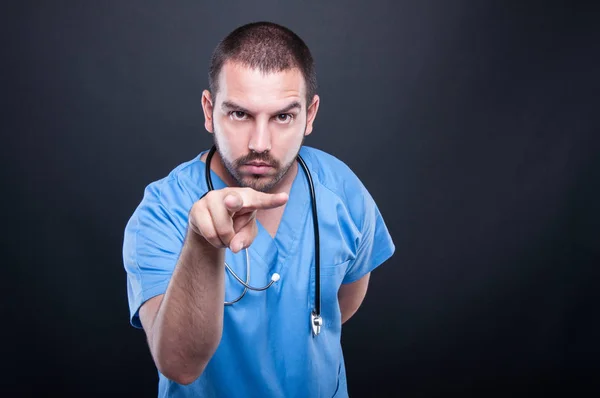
[(184, 326), (351, 296)]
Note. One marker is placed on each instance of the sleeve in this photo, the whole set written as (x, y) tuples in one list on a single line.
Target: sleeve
[(153, 239), (375, 242)]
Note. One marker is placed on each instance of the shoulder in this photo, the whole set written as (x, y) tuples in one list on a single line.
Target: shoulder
[(329, 170), (184, 183), (172, 196), (335, 176)]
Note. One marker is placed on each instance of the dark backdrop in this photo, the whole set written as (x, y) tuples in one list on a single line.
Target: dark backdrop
[(472, 123)]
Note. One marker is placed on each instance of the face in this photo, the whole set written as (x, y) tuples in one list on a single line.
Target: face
[(259, 122)]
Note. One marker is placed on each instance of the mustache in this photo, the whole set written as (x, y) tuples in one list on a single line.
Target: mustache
[(259, 157)]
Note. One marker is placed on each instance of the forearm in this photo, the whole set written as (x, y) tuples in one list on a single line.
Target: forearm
[(348, 308), (188, 325), (351, 296)]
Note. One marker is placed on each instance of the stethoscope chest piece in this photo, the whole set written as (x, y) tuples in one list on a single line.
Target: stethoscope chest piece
[(316, 322), (315, 317)]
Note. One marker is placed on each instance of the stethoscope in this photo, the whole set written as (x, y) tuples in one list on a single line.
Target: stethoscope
[(316, 321)]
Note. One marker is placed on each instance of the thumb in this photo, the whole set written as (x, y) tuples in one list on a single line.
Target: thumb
[(233, 202)]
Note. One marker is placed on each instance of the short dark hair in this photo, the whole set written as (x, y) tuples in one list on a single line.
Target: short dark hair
[(268, 47)]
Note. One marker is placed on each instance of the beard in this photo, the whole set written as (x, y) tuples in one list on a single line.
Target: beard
[(258, 182)]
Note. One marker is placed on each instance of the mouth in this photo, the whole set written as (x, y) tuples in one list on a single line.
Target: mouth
[(257, 167)]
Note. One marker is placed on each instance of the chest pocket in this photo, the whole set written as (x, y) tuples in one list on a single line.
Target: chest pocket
[(331, 280), (334, 270)]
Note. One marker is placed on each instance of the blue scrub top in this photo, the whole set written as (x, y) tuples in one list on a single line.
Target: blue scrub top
[(267, 347)]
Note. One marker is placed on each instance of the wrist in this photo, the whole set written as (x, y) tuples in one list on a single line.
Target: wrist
[(198, 241)]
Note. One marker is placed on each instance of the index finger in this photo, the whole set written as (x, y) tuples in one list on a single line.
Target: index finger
[(255, 200)]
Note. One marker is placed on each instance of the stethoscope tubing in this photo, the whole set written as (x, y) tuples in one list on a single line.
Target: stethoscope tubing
[(316, 313)]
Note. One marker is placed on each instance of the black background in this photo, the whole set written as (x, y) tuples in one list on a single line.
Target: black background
[(473, 124)]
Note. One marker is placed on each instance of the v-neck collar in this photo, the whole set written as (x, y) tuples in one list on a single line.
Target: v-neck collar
[(269, 249)]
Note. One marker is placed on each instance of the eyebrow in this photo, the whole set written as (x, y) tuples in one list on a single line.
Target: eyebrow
[(293, 105), (228, 105)]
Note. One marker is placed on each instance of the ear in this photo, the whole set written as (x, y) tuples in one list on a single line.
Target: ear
[(311, 114), (207, 106)]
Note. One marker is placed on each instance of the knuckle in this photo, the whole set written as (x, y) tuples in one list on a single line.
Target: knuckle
[(198, 213), (225, 234), (206, 196), (196, 207), (210, 236), (234, 194), (210, 196), (214, 196), (246, 192), (231, 191), (199, 209)]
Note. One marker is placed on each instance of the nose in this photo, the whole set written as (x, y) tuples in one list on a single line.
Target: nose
[(260, 140)]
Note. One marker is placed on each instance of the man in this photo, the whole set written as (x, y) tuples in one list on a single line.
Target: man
[(283, 341)]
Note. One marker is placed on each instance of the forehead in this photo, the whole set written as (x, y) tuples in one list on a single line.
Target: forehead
[(253, 87)]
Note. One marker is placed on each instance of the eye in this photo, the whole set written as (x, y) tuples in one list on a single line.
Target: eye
[(238, 115), (284, 117)]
